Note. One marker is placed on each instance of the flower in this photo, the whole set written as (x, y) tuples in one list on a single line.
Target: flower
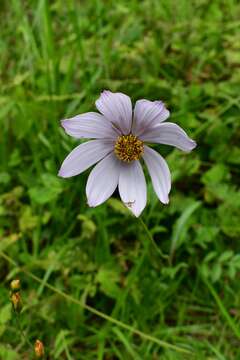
[(39, 349), (15, 285), (16, 301), (120, 141)]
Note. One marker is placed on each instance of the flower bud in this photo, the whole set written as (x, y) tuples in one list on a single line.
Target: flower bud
[(39, 349), (15, 285), (16, 301)]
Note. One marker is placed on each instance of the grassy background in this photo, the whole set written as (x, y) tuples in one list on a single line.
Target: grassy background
[(56, 57)]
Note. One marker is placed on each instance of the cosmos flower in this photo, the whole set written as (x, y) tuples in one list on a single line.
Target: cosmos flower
[(120, 141)]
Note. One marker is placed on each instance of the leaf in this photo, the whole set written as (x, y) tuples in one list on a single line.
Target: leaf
[(215, 175), (126, 343), (171, 272), (108, 279), (48, 192), (232, 271), (225, 256), (7, 353), (181, 226), (27, 220), (4, 178), (206, 234), (7, 241), (15, 158), (88, 226), (235, 155), (229, 214), (118, 206), (216, 272), (210, 256), (63, 341), (5, 316)]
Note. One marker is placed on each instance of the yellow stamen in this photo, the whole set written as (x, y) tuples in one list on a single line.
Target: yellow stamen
[(128, 148)]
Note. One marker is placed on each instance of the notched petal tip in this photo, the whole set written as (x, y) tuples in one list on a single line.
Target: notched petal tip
[(91, 205), (165, 198), (165, 201), (159, 103), (61, 174), (105, 92), (192, 145), (133, 211)]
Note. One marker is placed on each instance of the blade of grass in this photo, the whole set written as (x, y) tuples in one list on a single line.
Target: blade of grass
[(126, 344), (96, 312), (231, 323), (181, 226)]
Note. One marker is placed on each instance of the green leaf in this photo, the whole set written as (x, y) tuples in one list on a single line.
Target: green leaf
[(181, 226), (118, 206), (229, 214), (88, 226), (216, 174), (4, 178), (49, 191), (108, 280), (5, 316), (216, 272), (27, 220), (7, 353), (225, 256)]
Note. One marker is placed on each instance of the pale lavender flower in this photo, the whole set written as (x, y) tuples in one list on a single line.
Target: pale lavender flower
[(120, 141)]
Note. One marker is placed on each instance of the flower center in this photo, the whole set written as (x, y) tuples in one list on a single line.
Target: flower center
[(128, 148)]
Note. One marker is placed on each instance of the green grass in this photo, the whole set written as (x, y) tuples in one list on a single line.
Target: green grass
[(168, 286)]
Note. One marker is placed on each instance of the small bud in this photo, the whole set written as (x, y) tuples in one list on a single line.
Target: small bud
[(15, 285), (16, 302), (39, 349)]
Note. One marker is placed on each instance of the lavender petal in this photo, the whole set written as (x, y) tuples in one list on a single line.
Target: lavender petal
[(147, 114), (169, 134), (89, 125), (117, 108), (159, 172), (103, 180), (132, 187), (84, 156)]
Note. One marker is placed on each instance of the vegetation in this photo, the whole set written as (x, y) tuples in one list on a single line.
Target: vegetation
[(172, 275)]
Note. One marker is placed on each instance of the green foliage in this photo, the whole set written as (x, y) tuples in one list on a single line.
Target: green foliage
[(56, 57), (215, 267), (48, 190)]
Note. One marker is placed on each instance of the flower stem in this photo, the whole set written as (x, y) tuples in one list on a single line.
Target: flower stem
[(22, 334), (94, 311), (150, 237)]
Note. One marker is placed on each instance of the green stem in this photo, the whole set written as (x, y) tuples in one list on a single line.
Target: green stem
[(23, 335), (150, 237), (223, 310), (97, 312)]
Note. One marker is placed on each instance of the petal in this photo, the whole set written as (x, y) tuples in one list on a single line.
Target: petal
[(89, 125), (148, 113), (169, 134), (159, 172), (132, 187), (103, 180), (84, 156), (117, 108)]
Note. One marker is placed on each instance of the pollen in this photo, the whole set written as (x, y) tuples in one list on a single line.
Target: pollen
[(128, 148)]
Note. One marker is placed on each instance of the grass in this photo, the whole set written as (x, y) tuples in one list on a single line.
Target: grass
[(98, 283)]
